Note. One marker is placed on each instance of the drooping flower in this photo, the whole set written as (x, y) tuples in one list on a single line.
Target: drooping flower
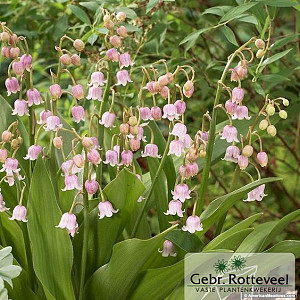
[(180, 106), (256, 194), (192, 169), (26, 59), (112, 157), (97, 78), (229, 134), (2, 204), (243, 162), (237, 95), (68, 221), (33, 97), (193, 224), (170, 112), (181, 192), (10, 166), (33, 152), (94, 93), (168, 249), (187, 141), (106, 209), (18, 68), (108, 119), (175, 208), (3, 155), (12, 85), (71, 183), (20, 108), (69, 167), (151, 150), (113, 54), (78, 160), (164, 92), (91, 186), (135, 144), (77, 91), (145, 113), (44, 116), (262, 158), (93, 157), (156, 113), (55, 91), (230, 107), (188, 88), (78, 113), (179, 130), (232, 153), (52, 123), (241, 113), (176, 148), (125, 60), (123, 77), (150, 87), (126, 158), (19, 213)]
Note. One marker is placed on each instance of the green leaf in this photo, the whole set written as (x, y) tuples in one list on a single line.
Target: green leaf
[(236, 11), (192, 37), (93, 38), (217, 10), (248, 19), (130, 13), (236, 228), (229, 34), (52, 249), (80, 14), (157, 283), (274, 78), (114, 280), (151, 4), (282, 42), (279, 3), (288, 246), (273, 58)]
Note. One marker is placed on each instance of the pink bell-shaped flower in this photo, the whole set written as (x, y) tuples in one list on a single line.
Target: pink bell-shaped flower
[(44, 116), (229, 134), (125, 60), (108, 119), (71, 182), (33, 97), (176, 148), (68, 221), (126, 158), (52, 123), (106, 209), (181, 192), (33, 152), (91, 186), (20, 108), (193, 224), (112, 157), (168, 249), (170, 112), (175, 208), (123, 77), (151, 150), (232, 154), (179, 130), (256, 194), (262, 158), (94, 93), (12, 85), (78, 113), (19, 213)]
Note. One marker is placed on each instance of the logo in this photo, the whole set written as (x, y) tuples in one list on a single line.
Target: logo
[(237, 263)]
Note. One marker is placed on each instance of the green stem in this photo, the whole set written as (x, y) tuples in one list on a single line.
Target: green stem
[(151, 190), (212, 129), (85, 233)]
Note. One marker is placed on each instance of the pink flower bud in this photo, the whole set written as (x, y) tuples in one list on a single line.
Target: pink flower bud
[(151, 150), (156, 113), (135, 144), (91, 186), (192, 170), (75, 60), (115, 41), (5, 36), (3, 155), (33, 97), (44, 116), (26, 59), (88, 143), (168, 249), (122, 31), (181, 192), (14, 52), (13, 39), (19, 213), (242, 69), (145, 113), (126, 158), (121, 16), (12, 85), (193, 224), (163, 80), (157, 87), (150, 87), (229, 134), (68, 221), (106, 209), (112, 54), (230, 107), (78, 113), (176, 148), (58, 142), (123, 77), (55, 91), (52, 123), (6, 136), (164, 92), (247, 150), (78, 161), (112, 157), (180, 107), (262, 159), (65, 59), (5, 51), (33, 152), (124, 128), (175, 208), (77, 91), (93, 157), (94, 93), (243, 162), (18, 68), (20, 108), (237, 95), (170, 112), (108, 119), (109, 25), (125, 60), (78, 45), (232, 153)]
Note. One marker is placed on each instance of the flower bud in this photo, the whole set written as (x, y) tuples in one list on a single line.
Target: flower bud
[(260, 44), (6, 136), (285, 102), (87, 143), (202, 153), (109, 25), (134, 130), (263, 124), (18, 68), (13, 39), (5, 37), (163, 80), (271, 129), (15, 144), (115, 41), (193, 154), (5, 51), (106, 18), (188, 85), (20, 140), (132, 121), (55, 91), (121, 16), (247, 150), (260, 53), (283, 114), (14, 52), (122, 31), (124, 128), (78, 45), (243, 162), (58, 142), (3, 155), (270, 109), (157, 87), (135, 144), (65, 59), (75, 60)]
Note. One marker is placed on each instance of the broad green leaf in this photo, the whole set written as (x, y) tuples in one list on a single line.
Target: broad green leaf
[(90, 5), (282, 223), (273, 58), (217, 10), (238, 10), (248, 19), (222, 204), (228, 33), (151, 4), (279, 3), (192, 37), (115, 279), (157, 283), (123, 192), (51, 246), (186, 241), (274, 78), (288, 246), (80, 14), (283, 41), (93, 38), (236, 228)]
